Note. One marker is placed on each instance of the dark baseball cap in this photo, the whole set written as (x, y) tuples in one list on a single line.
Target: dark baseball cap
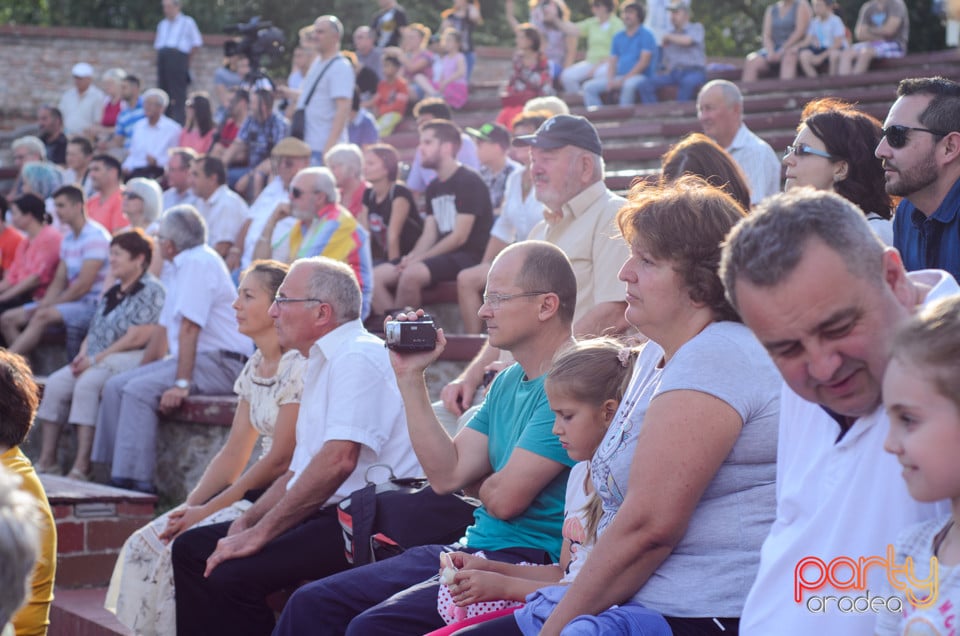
[(563, 130), (494, 133)]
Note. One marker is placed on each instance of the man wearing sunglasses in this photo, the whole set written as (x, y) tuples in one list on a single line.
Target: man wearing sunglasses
[(920, 150), (325, 228)]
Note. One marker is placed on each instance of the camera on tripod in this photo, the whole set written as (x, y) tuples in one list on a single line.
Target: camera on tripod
[(258, 39)]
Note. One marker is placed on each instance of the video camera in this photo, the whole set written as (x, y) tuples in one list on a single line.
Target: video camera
[(258, 38)]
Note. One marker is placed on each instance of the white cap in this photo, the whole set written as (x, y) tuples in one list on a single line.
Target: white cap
[(82, 69)]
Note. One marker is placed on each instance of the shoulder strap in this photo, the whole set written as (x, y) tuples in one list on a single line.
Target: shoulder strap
[(317, 81)]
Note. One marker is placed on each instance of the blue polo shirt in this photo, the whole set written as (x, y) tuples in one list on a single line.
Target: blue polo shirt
[(930, 242), (628, 48)]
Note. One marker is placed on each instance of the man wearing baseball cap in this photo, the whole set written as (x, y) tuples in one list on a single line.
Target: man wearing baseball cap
[(683, 57), (567, 170), (81, 104), (493, 141)]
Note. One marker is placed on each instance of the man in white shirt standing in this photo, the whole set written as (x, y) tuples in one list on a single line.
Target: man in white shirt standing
[(825, 296), (177, 37), (222, 208), (81, 105), (151, 138), (720, 111)]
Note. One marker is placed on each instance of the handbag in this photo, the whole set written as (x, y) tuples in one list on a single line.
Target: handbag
[(382, 520), (298, 124)]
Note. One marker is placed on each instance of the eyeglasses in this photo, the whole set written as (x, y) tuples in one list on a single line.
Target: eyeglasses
[(494, 301), (802, 150), (296, 193), (897, 135), (283, 300)]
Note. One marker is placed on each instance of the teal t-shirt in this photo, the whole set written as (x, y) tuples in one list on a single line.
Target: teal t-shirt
[(516, 414)]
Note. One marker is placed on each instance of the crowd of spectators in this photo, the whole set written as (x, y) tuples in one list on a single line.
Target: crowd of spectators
[(766, 321)]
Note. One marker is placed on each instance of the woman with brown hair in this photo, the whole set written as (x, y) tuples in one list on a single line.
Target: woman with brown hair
[(698, 155), (833, 150)]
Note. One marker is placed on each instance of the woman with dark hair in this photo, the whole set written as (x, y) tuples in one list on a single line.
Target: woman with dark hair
[(833, 150), (200, 127), (36, 259), (687, 469), (701, 156), (389, 211), (124, 320)]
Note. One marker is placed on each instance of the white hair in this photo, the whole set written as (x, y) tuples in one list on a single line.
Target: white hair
[(347, 155), (32, 143), (159, 94)]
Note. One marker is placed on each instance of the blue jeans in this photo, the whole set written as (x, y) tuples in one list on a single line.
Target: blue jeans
[(395, 596), (628, 91), (687, 80)]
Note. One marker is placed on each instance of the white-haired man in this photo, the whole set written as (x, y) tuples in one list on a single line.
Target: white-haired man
[(151, 138)]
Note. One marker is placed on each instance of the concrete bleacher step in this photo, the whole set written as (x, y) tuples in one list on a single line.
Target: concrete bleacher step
[(80, 613)]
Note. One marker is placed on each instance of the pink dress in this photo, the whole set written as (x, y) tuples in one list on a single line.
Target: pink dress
[(454, 93)]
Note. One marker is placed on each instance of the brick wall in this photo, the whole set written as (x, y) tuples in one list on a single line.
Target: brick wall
[(92, 521), (38, 62)]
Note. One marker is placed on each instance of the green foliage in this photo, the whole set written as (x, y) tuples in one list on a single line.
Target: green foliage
[(732, 26)]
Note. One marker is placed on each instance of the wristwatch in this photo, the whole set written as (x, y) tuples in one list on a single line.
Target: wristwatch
[(182, 383)]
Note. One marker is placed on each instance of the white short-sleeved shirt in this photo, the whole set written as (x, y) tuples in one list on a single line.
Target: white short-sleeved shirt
[(834, 498), (587, 233), (153, 140), (336, 83), (519, 215), (351, 394), (759, 162), (81, 111), (181, 33), (199, 289), (225, 211)]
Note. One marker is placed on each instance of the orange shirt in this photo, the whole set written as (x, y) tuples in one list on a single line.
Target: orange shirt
[(391, 97), (10, 238), (108, 213)]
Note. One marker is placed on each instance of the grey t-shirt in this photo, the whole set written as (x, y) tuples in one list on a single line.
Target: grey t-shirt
[(711, 569), (336, 83)]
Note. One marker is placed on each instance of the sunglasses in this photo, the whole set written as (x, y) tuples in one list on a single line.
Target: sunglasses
[(897, 135), (803, 150), (296, 193)]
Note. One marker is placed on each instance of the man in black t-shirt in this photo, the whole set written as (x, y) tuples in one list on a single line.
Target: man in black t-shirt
[(387, 23), (455, 233)]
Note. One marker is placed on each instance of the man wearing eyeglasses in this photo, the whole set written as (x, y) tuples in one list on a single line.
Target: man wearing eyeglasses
[(507, 453), (351, 419), (198, 352), (323, 228), (920, 151)]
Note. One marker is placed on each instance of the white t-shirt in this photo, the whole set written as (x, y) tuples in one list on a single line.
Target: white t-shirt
[(834, 499), (225, 211), (351, 394), (336, 83)]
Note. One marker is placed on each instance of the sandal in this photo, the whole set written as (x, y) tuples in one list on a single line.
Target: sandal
[(79, 476), (48, 469)]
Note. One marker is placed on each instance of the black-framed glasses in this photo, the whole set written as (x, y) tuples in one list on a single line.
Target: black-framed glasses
[(283, 300), (897, 134), (494, 301), (802, 150)]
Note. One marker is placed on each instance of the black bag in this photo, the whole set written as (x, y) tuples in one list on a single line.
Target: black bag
[(298, 124), (383, 520)]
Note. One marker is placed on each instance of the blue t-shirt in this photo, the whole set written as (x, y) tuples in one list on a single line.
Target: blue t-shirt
[(516, 414), (628, 49), (930, 242)]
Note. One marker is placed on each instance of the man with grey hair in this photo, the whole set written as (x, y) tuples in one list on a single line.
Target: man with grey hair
[(26, 149), (825, 297), (151, 138), (580, 218), (351, 418), (179, 162), (199, 334), (720, 111), (325, 228), (327, 90), (177, 37)]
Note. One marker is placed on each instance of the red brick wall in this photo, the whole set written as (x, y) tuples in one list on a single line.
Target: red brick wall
[(38, 62)]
